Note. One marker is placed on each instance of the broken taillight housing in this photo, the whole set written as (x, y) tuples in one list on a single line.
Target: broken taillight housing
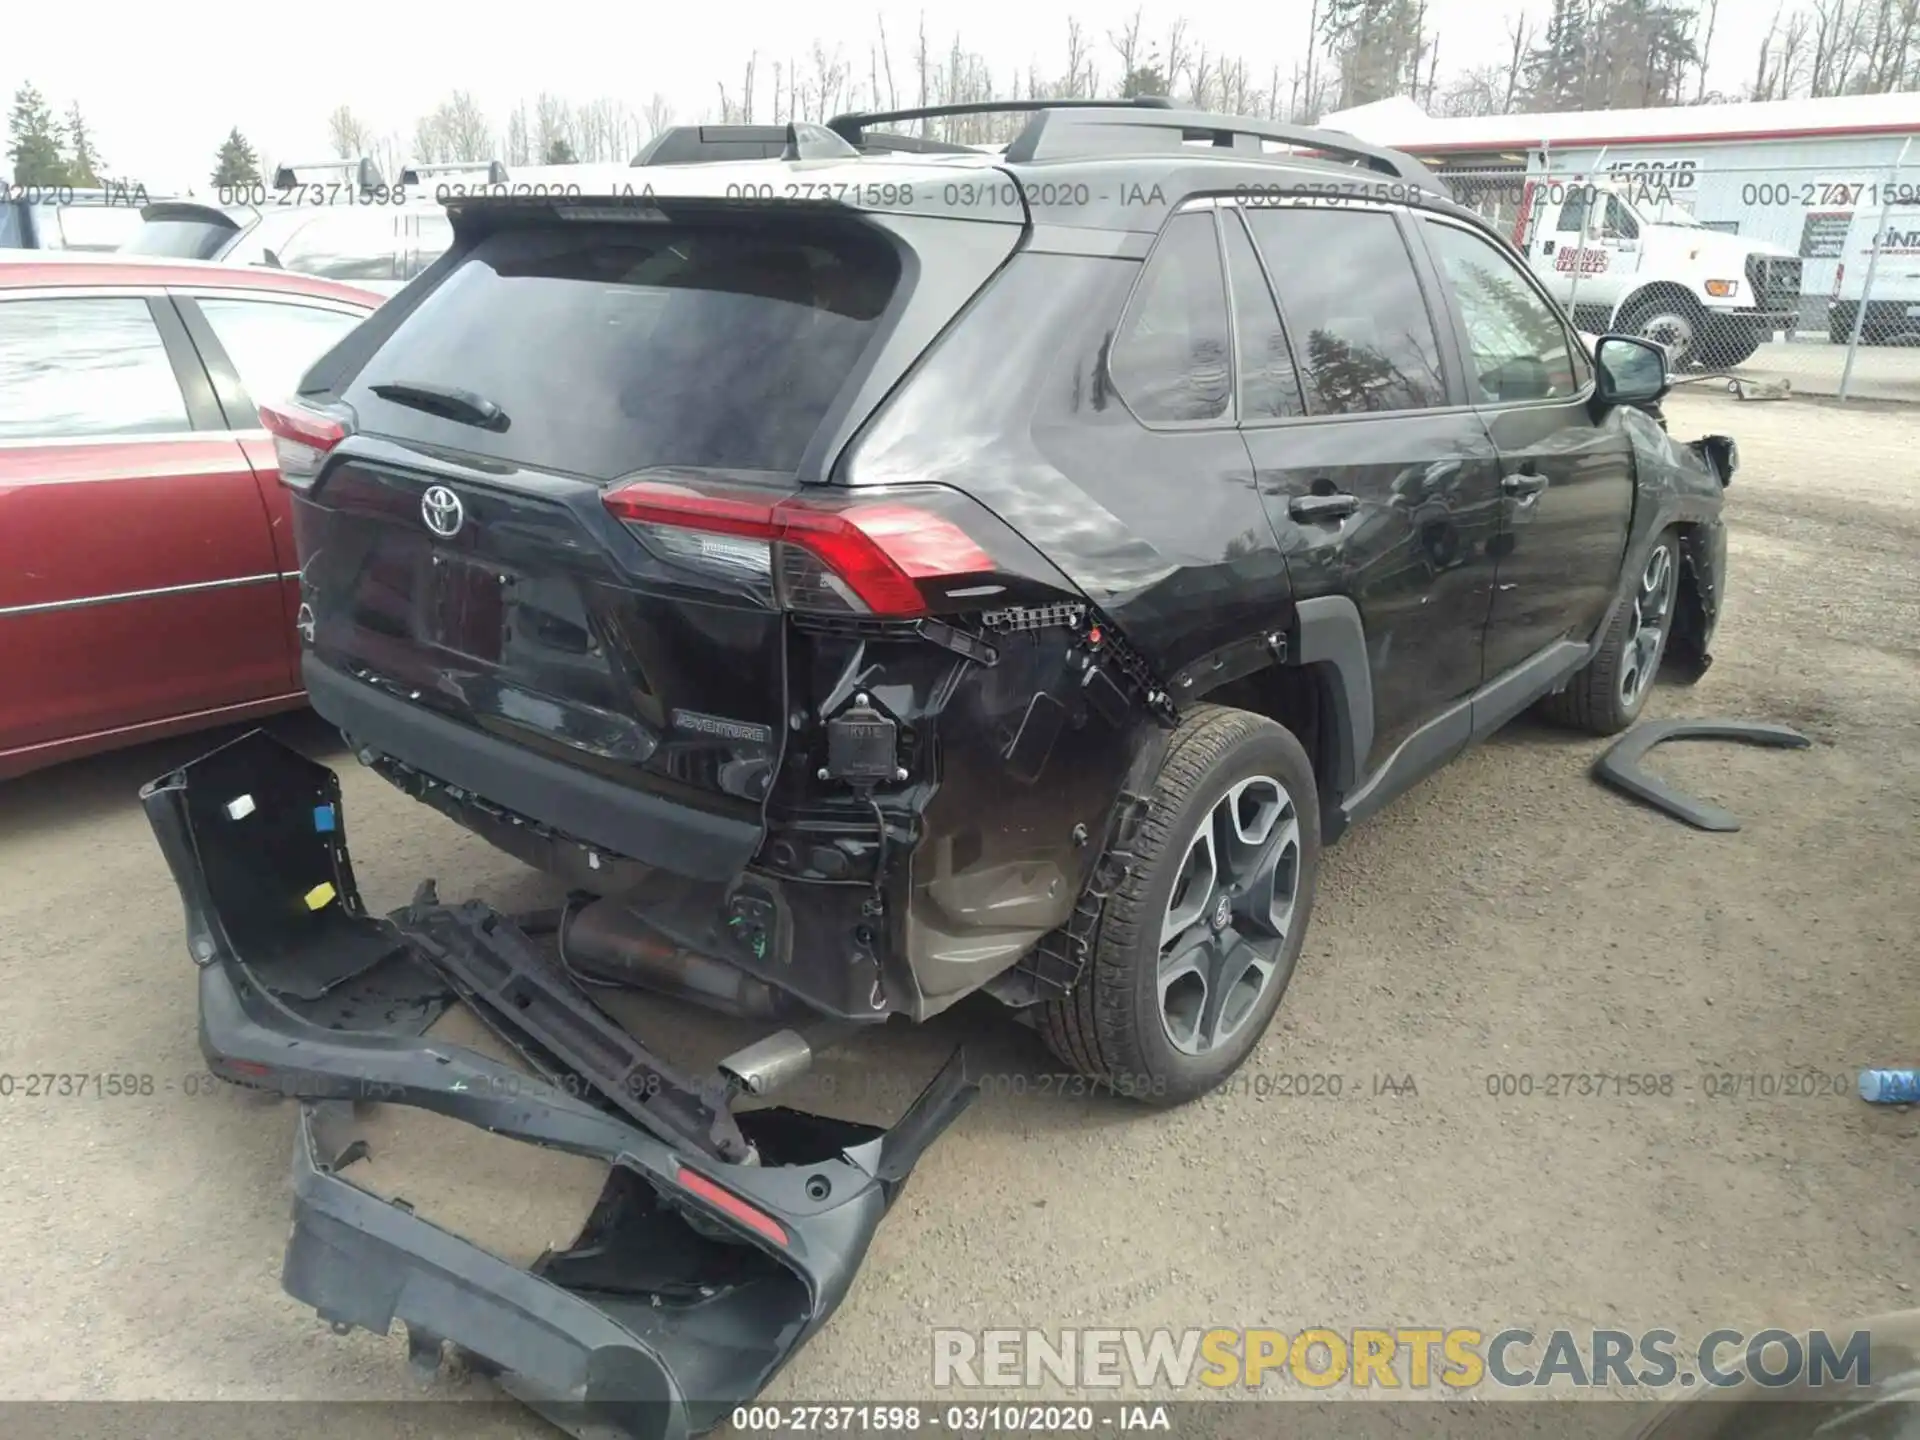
[(844, 555), (302, 440)]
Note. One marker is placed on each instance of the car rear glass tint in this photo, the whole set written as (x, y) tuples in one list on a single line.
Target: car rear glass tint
[(613, 348), (181, 239)]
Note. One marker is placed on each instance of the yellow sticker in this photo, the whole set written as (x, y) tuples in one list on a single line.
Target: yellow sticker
[(318, 897)]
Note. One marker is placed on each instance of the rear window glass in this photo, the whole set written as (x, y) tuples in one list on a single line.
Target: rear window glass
[(613, 348), (90, 227), (181, 239)]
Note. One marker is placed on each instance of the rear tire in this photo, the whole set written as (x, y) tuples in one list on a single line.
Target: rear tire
[(1840, 323), (1728, 343), (1608, 694), (1194, 950)]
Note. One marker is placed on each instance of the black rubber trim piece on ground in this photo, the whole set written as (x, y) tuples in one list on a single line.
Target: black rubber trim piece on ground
[(1619, 767)]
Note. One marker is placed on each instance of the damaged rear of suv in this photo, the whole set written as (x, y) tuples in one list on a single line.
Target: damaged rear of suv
[(868, 580)]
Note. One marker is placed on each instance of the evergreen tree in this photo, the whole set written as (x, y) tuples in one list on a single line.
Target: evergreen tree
[(1378, 45), (1557, 70), (34, 141), (83, 161), (560, 152), (236, 163)]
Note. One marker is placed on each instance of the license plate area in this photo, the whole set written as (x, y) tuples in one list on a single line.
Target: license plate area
[(463, 606)]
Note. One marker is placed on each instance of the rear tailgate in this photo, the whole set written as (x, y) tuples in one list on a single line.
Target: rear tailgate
[(469, 563)]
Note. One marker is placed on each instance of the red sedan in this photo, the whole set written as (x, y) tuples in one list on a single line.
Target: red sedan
[(148, 583)]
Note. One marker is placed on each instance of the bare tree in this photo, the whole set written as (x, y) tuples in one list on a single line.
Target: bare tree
[(657, 115), (1706, 49), (1126, 44), (923, 61), (1202, 73), (1520, 33), (520, 149), (1838, 37), (1175, 59), (348, 134), (1080, 81), (553, 129), (390, 155)]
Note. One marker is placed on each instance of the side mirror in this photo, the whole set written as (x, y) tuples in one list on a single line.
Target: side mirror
[(1630, 370)]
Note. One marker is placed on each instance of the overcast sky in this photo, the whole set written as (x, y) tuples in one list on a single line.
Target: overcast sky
[(160, 90)]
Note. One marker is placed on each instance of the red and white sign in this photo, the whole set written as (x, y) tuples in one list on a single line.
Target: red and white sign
[(1573, 258)]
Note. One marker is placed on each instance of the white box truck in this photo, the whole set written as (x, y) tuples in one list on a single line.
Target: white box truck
[(1623, 260)]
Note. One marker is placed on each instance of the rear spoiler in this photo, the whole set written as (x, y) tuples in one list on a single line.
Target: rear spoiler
[(189, 210)]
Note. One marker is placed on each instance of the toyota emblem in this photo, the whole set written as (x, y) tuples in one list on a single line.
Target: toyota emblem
[(442, 511)]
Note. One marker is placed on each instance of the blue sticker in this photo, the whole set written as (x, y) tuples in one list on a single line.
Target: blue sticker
[(323, 818)]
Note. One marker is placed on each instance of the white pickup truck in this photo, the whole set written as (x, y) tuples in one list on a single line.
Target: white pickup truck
[(1622, 261)]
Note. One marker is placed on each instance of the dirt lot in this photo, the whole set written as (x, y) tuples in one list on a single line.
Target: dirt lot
[(1507, 918)]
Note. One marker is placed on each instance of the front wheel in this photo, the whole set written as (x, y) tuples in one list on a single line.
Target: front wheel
[(1607, 695), (1674, 322), (1193, 951)]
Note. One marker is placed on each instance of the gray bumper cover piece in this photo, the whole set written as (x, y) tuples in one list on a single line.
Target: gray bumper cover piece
[(696, 1277), (1619, 767)]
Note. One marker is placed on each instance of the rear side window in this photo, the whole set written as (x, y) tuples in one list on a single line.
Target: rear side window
[(1269, 384), (271, 343), (614, 348), (353, 243), (85, 367), (1171, 361), (1359, 320)]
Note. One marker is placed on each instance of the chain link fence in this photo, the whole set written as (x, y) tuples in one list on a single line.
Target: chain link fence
[(1805, 272)]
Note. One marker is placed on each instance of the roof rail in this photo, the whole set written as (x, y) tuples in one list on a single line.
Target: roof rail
[(1059, 133), (496, 171), (849, 126), (694, 144), (362, 172)]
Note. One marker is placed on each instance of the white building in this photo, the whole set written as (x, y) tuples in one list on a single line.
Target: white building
[(1792, 171)]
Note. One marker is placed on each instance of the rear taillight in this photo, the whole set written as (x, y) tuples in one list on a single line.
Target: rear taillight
[(302, 439), (861, 557)]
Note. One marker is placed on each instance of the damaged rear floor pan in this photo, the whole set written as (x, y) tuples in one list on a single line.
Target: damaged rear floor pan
[(717, 1243)]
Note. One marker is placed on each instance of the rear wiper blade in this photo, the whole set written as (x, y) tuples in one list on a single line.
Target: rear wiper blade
[(445, 401)]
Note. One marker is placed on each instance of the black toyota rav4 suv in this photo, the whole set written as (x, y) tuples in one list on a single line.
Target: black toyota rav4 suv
[(867, 579), (901, 576)]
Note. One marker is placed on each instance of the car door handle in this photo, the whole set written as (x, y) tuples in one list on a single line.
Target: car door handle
[(1308, 508), (1524, 484)]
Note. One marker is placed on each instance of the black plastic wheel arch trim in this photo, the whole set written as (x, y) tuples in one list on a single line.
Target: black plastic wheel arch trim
[(1619, 767)]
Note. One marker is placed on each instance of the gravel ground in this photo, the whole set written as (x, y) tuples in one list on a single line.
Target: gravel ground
[(1507, 918)]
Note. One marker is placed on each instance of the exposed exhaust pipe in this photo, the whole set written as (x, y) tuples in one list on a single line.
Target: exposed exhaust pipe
[(608, 941)]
